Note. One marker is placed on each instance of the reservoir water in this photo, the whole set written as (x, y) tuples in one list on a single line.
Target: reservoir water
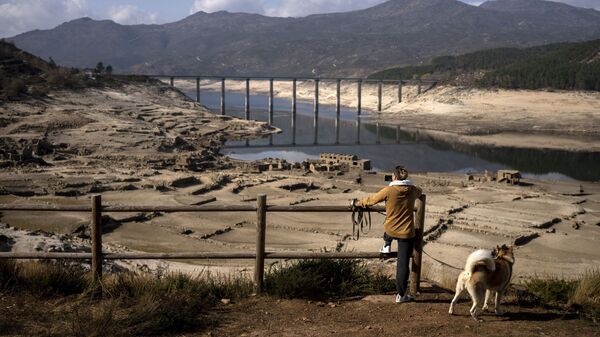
[(387, 146)]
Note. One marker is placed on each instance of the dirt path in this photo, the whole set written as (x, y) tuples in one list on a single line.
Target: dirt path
[(380, 316)]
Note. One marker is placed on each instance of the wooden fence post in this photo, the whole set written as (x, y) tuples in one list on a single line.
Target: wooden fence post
[(261, 224), (415, 270), (172, 79), (96, 266)]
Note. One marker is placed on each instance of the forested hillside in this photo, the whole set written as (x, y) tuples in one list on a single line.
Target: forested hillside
[(568, 66)]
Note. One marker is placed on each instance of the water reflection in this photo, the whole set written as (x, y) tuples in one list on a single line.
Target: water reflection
[(388, 146)]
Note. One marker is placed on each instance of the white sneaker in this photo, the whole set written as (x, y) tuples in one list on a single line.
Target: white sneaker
[(404, 299), (386, 249)]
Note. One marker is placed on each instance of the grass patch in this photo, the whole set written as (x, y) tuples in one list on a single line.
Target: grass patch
[(586, 296), (325, 279), (46, 278), (581, 295), (550, 292), (132, 304)]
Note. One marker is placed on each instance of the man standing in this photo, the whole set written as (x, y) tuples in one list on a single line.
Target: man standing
[(399, 224)]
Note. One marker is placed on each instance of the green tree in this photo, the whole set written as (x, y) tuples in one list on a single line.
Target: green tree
[(99, 68), (109, 69)]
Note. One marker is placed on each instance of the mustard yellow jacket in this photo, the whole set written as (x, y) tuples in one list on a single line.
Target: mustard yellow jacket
[(399, 209)]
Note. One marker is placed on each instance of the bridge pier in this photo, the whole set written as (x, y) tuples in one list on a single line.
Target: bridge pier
[(247, 100), (337, 111), (198, 89), (379, 89), (399, 91), (359, 93), (270, 108), (357, 129), (316, 112), (223, 96), (294, 111)]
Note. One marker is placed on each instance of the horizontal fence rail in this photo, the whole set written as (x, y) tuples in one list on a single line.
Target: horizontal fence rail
[(172, 209), (96, 256), (194, 256)]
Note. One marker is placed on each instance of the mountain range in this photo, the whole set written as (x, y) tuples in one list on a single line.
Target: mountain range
[(394, 33)]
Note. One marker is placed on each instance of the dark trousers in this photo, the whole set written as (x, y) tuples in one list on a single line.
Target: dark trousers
[(405, 250)]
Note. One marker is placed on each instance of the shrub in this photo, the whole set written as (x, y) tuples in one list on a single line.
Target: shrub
[(131, 303), (8, 274), (89, 318), (586, 295), (551, 292), (157, 304), (320, 279), (15, 88), (43, 278)]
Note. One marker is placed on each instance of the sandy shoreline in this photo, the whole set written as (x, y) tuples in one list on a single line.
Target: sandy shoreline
[(128, 145), (511, 118)]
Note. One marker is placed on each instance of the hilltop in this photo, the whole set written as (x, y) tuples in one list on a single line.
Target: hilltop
[(567, 66), (397, 32), (24, 75)]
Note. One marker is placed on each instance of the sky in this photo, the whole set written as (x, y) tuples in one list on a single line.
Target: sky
[(18, 16)]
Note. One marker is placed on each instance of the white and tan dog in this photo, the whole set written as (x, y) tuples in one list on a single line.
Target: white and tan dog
[(485, 272)]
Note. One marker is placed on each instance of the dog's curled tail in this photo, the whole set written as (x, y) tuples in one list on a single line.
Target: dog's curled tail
[(480, 257)]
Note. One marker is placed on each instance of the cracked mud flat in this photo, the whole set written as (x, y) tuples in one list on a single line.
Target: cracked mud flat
[(126, 145)]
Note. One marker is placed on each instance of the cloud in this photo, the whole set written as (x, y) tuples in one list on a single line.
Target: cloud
[(306, 7), (246, 6), (131, 15), (583, 3), (17, 16), (578, 3), (297, 8), (282, 8)]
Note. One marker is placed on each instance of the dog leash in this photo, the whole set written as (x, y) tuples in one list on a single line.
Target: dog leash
[(442, 262), (361, 221)]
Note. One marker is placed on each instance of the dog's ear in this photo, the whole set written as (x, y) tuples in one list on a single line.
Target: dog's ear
[(510, 249)]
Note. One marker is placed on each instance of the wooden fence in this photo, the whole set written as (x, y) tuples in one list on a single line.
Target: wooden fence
[(261, 208)]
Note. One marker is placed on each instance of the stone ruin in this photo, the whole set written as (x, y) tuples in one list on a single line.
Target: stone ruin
[(344, 163), (268, 164), (327, 163), (508, 176), (24, 151)]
